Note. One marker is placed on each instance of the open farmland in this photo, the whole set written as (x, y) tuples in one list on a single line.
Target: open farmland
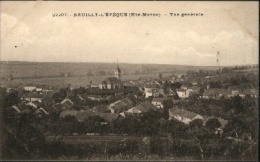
[(74, 80), (81, 73)]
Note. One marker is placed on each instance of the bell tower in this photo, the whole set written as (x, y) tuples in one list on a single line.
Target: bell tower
[(118, 72)]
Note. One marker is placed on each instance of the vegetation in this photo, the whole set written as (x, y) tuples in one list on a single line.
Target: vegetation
[(150, 135)]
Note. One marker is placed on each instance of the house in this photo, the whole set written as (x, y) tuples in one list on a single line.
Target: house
[(67, 103), (183, 115), (184, 93), (47, 89), (243, 93), (151, 92), (181, 93), (158, 102), (121, 105), (112, 82), (39, 88), (141, 108), (188, 92), (30, 87), (133, 110), (32, 97)]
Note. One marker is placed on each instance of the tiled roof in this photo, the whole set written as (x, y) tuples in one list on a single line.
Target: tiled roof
[(67, 101), (113, 80), (182, 113), (41, 111), (157, 99), (126, 102), (134, 110), (145, 106), (32, 95)]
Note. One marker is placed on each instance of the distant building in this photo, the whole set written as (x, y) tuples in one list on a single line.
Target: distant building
[(30, 87), (112, 82), (32, 97), (184, 93), (141, 108), (158, 102), (151, 92), (181, 93), (183, 115), (121, 105), (39, 88), (67, 103)]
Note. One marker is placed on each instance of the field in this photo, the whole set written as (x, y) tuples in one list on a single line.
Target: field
[(75, 80), (81, 73)]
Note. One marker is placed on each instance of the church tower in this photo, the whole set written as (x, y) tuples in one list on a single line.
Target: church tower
[(118, 72)]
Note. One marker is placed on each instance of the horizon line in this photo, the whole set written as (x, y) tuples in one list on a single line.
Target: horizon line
[(131, 63)]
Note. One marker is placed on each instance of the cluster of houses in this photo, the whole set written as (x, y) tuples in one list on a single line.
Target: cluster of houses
[(39, 100), (120, 108), (154, 89), (218, 93)]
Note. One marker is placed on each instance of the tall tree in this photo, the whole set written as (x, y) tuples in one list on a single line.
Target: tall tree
[(212, 124)]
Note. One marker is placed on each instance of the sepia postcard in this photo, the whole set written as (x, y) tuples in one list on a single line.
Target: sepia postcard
[(129, 81)]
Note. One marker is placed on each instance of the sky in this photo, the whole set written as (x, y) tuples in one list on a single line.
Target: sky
[(29, 32)]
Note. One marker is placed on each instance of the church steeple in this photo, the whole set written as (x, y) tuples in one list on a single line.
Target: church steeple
[(118, 72)]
